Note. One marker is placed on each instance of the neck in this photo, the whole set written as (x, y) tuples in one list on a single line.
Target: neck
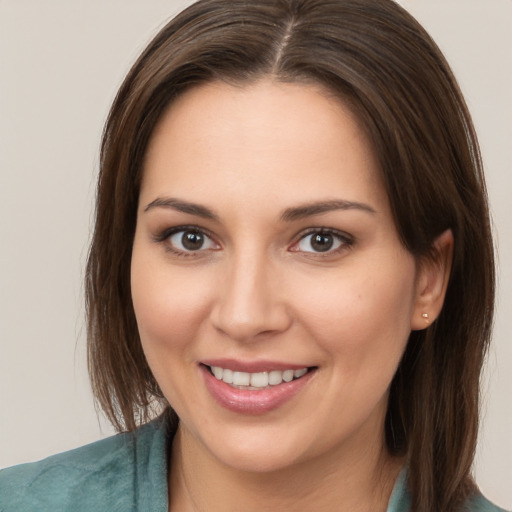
[(355, 480)]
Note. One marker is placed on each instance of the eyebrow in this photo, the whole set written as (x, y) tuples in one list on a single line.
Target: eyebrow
[(182, 206), (288, 215), (311, 209)]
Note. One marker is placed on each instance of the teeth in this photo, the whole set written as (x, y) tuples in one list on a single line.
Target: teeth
[(256, 380), (275, 377), (241, 378), (259, 380), (288, 375), (227, 376)]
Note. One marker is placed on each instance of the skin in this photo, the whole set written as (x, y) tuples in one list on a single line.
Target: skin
[(258, 290)]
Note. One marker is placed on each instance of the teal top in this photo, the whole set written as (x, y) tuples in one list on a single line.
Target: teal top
[(123, 473)]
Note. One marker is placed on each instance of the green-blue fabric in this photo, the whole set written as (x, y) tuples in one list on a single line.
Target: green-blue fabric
[(124, 473)]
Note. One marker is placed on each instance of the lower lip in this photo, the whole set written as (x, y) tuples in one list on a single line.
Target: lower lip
[(246, 401)]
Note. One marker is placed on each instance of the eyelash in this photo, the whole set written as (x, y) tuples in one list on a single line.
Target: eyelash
[(166, 234), (345, 240)]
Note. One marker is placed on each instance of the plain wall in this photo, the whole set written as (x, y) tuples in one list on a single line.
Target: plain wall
[(61, 63)]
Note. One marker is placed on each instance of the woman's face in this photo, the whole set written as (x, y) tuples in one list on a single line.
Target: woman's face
[(265, 251)]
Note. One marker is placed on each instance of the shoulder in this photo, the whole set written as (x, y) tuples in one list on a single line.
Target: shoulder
[(121, 472), (400, 500), (479, 503)]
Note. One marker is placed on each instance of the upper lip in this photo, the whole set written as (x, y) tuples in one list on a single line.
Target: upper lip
[(252, 366)]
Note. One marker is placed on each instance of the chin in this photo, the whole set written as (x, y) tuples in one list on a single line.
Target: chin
[(258, 461), (255, 450)]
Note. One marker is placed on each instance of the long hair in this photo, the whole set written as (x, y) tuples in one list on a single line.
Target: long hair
[(379, 60)]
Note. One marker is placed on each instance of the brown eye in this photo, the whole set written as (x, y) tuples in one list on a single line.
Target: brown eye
[(322, 242), (188, 240), (192, 241)]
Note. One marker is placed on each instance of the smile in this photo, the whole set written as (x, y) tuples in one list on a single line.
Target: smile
[(255, 381), (259, 391)]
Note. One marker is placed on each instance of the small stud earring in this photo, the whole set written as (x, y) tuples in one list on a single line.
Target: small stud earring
[(425, 316)]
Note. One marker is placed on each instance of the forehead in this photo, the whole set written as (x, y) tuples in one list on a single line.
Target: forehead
[(267, 138)]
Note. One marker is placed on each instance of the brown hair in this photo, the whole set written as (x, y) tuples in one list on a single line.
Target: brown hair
[(379, 59)]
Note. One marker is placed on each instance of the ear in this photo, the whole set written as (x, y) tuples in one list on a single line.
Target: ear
[(432, 282)]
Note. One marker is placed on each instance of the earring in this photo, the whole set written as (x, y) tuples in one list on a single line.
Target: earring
[(425, 316)]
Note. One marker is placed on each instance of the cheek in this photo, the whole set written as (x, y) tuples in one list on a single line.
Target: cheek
[(169, 305), (362, 317)]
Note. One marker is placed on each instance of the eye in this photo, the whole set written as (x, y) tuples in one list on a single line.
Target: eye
[(322, 241), (190, 240)]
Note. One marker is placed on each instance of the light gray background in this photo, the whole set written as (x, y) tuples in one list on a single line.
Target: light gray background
[(61, 62)]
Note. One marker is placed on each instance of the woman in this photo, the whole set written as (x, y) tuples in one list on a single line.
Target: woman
[(289, 206)]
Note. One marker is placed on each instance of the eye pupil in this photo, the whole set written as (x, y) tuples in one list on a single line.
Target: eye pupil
[(321, 242), (192, 241)]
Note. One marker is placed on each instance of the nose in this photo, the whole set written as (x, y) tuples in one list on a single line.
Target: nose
[(250, 301)]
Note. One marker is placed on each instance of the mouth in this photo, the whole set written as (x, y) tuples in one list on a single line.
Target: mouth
[(257, 380), (267, 387)]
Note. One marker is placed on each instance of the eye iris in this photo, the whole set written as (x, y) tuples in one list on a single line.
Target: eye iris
[(192, 241), (321, 242)]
